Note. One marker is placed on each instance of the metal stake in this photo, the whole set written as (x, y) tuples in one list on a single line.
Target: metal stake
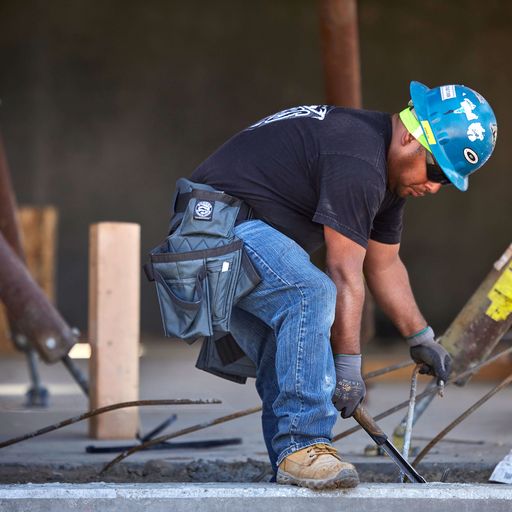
[(410, 418), (461, 418)]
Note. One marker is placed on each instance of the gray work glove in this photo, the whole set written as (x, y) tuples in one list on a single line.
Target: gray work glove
[(434, 359), (350, 388)]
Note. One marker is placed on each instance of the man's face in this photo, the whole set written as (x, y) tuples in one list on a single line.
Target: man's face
[(413, 181), (407, 168)]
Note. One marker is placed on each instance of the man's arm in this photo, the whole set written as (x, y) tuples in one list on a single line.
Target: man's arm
[(344, 262), (388, 281), (345, 267)]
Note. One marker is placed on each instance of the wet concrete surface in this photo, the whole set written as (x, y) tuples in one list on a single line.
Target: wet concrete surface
[(469, 453)]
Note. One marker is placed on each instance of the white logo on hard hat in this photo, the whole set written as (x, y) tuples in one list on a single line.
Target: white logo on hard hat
[(203, 209), (467, 107), (475, 131), (470, 156)]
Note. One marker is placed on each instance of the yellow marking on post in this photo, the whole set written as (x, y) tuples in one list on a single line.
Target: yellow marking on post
[(428, 132), (501, 297)]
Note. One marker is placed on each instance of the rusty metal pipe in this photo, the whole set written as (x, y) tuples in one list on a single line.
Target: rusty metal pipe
[(29, 309), (342, 82), (9, 224), (10, 228), (340, 52)]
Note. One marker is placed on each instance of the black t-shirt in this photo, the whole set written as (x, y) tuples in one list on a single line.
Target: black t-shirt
[(312, 165)]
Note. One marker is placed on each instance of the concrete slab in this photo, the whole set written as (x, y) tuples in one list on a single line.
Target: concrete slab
[(167, 371), (254, 497)]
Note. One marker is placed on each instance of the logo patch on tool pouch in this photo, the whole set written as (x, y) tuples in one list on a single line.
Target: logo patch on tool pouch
[(203, 210)]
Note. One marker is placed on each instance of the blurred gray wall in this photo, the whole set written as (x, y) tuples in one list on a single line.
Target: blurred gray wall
[(106, 103)]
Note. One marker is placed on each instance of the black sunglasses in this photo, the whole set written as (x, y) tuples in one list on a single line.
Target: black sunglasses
[(434, 172)]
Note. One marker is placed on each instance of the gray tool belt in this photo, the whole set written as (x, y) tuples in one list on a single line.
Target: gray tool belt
[(201, 269)]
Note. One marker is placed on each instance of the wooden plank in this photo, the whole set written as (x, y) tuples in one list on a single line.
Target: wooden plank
[(39, 240), (114, 330)]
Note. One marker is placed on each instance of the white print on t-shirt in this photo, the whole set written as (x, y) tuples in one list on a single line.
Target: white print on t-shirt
[(315, 111)]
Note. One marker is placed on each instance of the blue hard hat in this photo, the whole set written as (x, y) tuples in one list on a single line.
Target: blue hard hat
[(460, 128)]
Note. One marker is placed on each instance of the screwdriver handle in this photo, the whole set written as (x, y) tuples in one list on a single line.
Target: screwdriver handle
[(362, 416)]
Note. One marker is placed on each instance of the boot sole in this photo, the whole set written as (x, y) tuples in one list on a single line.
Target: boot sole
[(345, 479)]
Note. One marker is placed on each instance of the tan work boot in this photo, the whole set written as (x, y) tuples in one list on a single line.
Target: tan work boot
[(318, 466)]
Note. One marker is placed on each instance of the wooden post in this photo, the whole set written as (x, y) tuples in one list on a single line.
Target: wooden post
[(114, 318)]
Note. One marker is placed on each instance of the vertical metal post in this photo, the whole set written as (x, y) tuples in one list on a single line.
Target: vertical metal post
[(342, 77), (340, 50)]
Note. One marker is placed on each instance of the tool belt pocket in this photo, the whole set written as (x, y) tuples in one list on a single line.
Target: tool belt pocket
[(200, 269), (196, 290)]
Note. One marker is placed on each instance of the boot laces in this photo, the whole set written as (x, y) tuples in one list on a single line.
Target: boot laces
[(316, 450)]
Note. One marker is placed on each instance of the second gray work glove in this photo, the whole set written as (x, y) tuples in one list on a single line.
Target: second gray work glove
[(433, 357), (350, 389)]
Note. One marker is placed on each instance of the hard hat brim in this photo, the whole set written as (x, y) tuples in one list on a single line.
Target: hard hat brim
[(418, 93)]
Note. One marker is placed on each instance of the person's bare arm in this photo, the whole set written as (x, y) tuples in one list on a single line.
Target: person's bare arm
[(344, 261), (388, 281)]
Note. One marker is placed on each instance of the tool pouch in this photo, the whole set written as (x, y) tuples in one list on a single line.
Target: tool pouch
[(200, 269)]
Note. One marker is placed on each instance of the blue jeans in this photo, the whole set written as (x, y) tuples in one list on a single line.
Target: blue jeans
[(283, 325)]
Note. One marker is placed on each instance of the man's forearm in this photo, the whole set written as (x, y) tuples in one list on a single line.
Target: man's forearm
[(391, 289), (345, 331)]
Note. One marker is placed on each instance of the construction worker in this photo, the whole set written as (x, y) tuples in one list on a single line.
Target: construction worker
[(316, 175)]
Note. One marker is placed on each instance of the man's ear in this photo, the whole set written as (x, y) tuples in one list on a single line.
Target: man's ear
[(406, 138)]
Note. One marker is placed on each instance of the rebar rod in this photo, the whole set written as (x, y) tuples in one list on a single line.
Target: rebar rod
[(188, 430), (142, 403), (427, 392), (77, 374), (387, 369), (460, 418), (101, 410), (419, 408), (121, 405), (410, 417)]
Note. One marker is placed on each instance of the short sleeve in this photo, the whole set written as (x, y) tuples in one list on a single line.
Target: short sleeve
[(350, 192), (388, 223)]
